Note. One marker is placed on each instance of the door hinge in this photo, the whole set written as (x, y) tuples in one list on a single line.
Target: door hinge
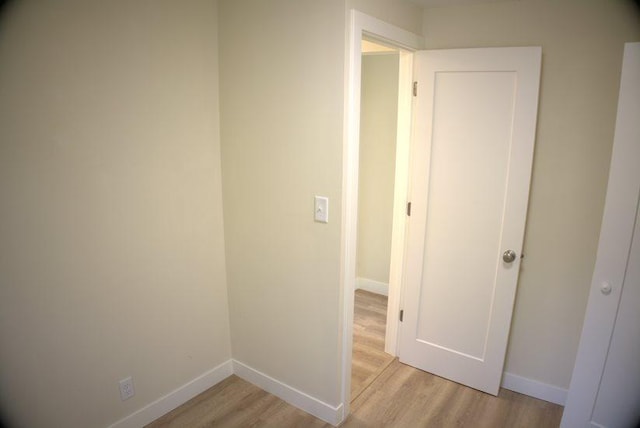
[(415, 89), (401, 314), (409, 209)]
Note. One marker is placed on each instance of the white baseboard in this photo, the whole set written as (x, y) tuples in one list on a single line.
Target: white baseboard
[(175, 398), (326, 412), (533, 388), (163, 405), (372, 286)]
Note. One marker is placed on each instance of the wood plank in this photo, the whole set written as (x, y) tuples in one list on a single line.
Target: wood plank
[(405, 396), (369, 325), (236, 403)]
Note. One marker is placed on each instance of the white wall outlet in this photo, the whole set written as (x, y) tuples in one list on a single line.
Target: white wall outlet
[(126, 388), (321, 209)]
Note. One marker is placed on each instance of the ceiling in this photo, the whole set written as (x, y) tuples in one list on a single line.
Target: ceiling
[(440, 3)]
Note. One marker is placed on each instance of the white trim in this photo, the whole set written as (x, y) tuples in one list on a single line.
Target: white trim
[(533, 388), (293, 396), (400, 199), (372, 286), (349, 225), (175, 398), (385, 32), (149, 413), (380, 53), (357, 25)]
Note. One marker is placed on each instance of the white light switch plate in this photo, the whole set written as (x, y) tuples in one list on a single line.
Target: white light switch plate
[(321, 209)]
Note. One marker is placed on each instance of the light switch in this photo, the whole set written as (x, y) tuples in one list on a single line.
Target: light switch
[(321, 209)]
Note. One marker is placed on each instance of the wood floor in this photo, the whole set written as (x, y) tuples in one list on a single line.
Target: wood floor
[(406, 397), (385, 393), (236, 403), (369, 324)]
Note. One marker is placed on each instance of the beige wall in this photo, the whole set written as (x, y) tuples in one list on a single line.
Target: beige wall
[(282, 95), (113, 258), (582, 44), (111, 241), (403, 14), (378, 126)]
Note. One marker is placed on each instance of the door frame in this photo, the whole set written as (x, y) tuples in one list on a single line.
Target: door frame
[(359, 25)]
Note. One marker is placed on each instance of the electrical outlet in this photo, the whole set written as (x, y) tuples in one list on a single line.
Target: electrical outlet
[(126, 388)]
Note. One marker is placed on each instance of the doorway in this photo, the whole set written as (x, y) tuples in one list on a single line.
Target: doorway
[(458, 72), (405, 42), (376, 178)]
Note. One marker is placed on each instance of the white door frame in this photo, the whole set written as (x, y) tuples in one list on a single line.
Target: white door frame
[(361, 24)]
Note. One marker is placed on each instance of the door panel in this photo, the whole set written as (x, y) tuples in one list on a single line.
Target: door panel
[(466, 174), (474, 128)]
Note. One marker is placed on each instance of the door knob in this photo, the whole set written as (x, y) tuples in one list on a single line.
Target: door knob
[(509, 256), (605, 288)]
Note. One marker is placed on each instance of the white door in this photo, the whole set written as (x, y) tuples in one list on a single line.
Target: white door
[(472, 148), (605, 386)]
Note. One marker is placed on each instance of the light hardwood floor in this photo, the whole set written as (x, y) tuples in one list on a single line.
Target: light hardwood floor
[(369, 324), (406, 397), (387, 394), (236, 403)]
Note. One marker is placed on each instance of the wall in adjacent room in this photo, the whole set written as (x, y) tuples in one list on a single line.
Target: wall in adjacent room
[(582, 45), (378, 127), (111, 237)]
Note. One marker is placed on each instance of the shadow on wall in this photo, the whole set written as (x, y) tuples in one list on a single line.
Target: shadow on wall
[(4, 8), (3, 420), (4, 3)]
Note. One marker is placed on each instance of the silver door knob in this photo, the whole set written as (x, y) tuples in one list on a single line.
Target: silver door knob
[(509, 256)]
